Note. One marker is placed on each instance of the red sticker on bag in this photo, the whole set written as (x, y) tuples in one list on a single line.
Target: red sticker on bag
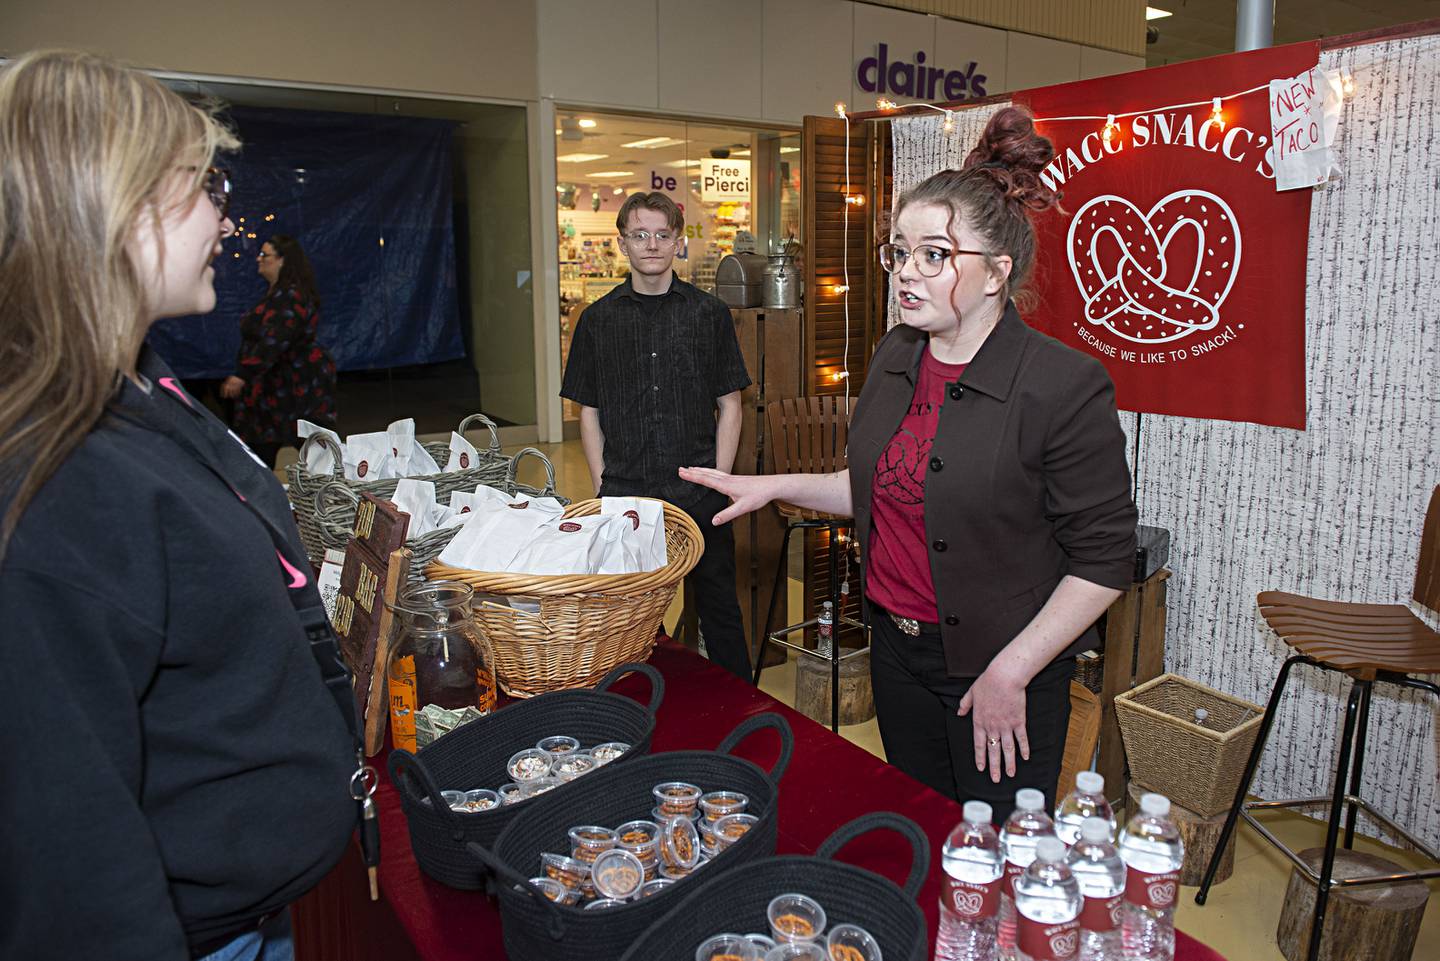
[(464, 459), (634, 519), (569, 527), (363, 468), (1152, 890), (1049, 942), (1101, 914), (970, 900)]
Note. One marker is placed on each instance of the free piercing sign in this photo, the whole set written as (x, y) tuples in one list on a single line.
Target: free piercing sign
[(1177, 264)]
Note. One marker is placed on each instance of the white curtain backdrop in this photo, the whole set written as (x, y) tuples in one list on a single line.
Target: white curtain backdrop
[(1336, 510)]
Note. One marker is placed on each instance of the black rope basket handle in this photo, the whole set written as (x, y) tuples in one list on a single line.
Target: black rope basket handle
[(657, 683), (505, 875), (403, 766), (755, 723), (879, 820)]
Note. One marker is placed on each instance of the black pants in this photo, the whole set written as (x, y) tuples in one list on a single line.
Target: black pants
[(713, 585), (915, 704)]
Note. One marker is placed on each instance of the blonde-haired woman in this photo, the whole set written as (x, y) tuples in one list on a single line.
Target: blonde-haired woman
[(179, 770)]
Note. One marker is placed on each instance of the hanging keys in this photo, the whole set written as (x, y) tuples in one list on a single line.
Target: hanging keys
[(362, 789)]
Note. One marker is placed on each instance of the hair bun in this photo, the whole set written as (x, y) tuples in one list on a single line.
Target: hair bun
[(1012, 154)]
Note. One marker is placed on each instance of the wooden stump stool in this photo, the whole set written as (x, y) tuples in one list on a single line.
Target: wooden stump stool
[(812, 689), (1377, 922), (1199, 835)]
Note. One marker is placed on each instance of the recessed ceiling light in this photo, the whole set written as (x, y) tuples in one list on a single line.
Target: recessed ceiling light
[(1155, 13), (789, 149), (681, 163), (587, 123), (618, 191), (652, 143), (580, 158), (609, 173)]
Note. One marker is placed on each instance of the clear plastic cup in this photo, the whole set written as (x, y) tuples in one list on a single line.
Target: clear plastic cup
[(454, 800), (727, 947), (617, 874), (795, 917), (555, 891), (677, 797), (539, 786), (852, 943), (796, 951), (588, 840), (653, 887), (717, 804), (762, 941), (602, 904), (557, 745), (528, 765), (709, 844), (567, 767), (510, 793), (568, 871), (679, 843), (657, 814), (480, 799), (607, 752), (731, 828)]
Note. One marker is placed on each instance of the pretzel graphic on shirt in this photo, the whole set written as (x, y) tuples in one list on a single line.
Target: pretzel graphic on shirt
[(1142, 297)]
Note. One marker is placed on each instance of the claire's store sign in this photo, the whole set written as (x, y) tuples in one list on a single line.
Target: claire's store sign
[(917, 79)]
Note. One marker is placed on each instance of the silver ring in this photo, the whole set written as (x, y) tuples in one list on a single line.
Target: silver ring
[(994, 741)]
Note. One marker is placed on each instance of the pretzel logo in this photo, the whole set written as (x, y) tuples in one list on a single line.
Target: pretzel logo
[(1118, 256), (968, 903), (1064, 945), (464, 460), (1162, 893)]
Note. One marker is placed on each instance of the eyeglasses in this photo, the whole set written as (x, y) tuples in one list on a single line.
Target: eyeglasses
[(642, 237), (929, 259), (262, 255), (216, 185)]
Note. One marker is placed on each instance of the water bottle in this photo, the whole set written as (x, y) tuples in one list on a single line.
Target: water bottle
[(970, 890), (1047, 898), (1152, 851), (1021, 832), (1101, 875), (825, 630), (1086, 801)]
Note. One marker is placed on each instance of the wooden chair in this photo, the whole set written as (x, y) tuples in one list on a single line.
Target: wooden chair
[(1081, 737), (1371, 643), (807, 435)]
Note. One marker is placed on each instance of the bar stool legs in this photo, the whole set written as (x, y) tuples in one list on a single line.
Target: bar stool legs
[(1332, 826)]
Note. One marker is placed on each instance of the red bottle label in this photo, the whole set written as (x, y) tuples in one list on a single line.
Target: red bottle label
[(1152, 890), (1049, 942), (973, 902), (1012, 871), (1101, 914)]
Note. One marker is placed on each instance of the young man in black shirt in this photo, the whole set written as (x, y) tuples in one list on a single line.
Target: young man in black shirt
[(657, 371)]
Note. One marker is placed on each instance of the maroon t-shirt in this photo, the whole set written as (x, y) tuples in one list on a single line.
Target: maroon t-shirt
[(897, 574)]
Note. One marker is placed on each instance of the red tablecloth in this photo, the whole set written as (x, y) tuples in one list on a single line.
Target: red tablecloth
[(829, 783)]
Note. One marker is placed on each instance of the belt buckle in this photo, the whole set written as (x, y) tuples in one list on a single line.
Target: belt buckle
[(907, 625)]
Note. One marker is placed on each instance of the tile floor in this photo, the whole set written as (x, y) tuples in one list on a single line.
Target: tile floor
[(1240, 919)]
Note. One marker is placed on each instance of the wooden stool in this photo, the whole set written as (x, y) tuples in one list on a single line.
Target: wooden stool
[(1370, 643), (1199, 835), (1378, 923), (812, 688)]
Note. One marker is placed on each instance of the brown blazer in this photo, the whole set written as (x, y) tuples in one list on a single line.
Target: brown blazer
[(1027, 481)]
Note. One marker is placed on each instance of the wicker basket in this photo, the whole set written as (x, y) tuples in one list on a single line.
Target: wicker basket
[(537, 929), (587, 623), (474, 755), (330, 526), (1196, 767), (336, 503), (736, 900)]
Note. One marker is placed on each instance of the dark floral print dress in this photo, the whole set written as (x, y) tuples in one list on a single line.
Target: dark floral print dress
[(288, 375)]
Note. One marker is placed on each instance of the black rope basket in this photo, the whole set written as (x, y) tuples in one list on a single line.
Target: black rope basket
[(736, 901), (537, 929), (475, 754)]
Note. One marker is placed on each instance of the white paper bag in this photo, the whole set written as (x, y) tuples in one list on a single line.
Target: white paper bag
[(463, 454), (581, 545), (417, 498), (367, 457), (401, 434), (493, 532), (644, 542)]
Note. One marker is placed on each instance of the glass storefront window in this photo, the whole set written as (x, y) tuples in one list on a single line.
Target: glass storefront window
[(738, 186)]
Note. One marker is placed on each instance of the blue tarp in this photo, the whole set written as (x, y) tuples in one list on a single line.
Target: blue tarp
[(369, 198)]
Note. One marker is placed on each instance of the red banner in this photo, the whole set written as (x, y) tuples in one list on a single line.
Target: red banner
[(1179, 265)]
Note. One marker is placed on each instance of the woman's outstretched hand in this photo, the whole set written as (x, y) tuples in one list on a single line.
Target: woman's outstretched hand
[(748, 491), (231, 386)]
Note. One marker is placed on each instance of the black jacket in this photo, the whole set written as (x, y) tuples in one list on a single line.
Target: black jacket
[(1027, 481), (175, 767)]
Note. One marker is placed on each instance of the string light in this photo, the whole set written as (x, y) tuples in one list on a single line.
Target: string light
[(1216, 117), (840, 109), (948, 126), (855, 200), (1347, 84), (840, 375), (1111, 129), (841, 288), (883, 104)]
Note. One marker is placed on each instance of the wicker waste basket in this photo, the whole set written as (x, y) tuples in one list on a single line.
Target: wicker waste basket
[(586, 623), (1197, 767)]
